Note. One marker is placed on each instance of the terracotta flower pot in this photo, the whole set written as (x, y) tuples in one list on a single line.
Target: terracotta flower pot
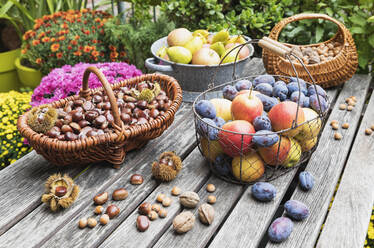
[(8, 75), (28, 76)]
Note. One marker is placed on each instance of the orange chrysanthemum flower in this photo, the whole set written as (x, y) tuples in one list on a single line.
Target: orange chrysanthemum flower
[(64, 26), (35, 42), (77, 53), (36, 26), (70, 47), (45, 39), (59, 55), (61, 38), (122, 54), (87, 49), (38, 60), (73, 42), (77, 37), (55, 47), (112, 48), (24, 51), (97, 20), (113, 55), (95, 53), (53, 39)]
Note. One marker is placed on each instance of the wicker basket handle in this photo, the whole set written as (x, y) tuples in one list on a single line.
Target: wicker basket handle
[(280, 25), (85, 91)]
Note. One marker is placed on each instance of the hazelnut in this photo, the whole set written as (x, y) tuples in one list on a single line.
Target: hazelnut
[(145, 208), (160, 197), (210, 188), (334, 121), (338, 136), (82, 223), (351, 102), (335, 126), (368, 131), (91, 222), (112, 211), (175, 191), (349, 108), (166, 202), (120, 194), (152, 215), (345, 125), (60, 191), (162, 213), (99, 209), (347, 99), (342, 106), (372, 127), (156, 207), (100, 199), (212, 199), (136, 179), (354, 98), (104, 219)]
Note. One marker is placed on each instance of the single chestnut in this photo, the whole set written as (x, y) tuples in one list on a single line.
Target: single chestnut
[(120, 194), (75, 126), (142, 223), (99, 121), (107, 106), (59, 123), (126, 118), (83, 123), (142, 120), (87, 106), (78, 102), (100, 199), (77, 116), (145, 208), (154, 113), (112, 211), (60, 191), (66, 128), (136, 179), (97, 98), (68, 118), (91, 115), (142, 104), (71, 136)]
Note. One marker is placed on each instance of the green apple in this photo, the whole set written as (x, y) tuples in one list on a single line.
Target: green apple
[(294, 155), (223, 108), (179, 54), (310, 129)]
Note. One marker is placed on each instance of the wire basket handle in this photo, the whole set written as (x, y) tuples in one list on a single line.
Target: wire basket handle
[(86, 91)]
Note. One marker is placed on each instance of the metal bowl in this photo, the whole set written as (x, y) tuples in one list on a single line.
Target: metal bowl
[(195, 79)]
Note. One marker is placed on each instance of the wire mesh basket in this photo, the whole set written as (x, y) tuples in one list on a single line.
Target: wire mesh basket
[(239, 145)]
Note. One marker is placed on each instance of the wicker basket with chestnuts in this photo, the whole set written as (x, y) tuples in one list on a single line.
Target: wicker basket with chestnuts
[(102, 124)]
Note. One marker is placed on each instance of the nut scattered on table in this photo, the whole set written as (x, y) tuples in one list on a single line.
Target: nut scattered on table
[(162, 213), (152, 215), (104, 219), (136, 179), (145, 208), (120, 194), (350, 108), (335, 126), (166, 202), (91, 222), (342, 106), (156, 207), (189, 199), (100, 199), (99, 209), (160, 197), (351, 103), (82, 223), (334, 122), (142, 223), (175, 191), (345, 125), (337, 136), (210, 188), (372, 127), (206, 214), (368, 131), (184, 222), (212, 199), (112, 211)]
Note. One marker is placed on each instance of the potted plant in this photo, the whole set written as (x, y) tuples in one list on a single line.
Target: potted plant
[(65, 38), (10, 43)]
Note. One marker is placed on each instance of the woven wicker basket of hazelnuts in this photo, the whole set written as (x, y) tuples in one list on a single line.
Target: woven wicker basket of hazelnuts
[(260, 127), (102, 124), (331, 62)]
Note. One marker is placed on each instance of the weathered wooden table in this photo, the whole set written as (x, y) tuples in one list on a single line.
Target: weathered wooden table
[(240, 221)]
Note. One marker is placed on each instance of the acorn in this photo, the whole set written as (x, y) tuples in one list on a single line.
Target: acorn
[(60, 191), (42, 118), (167, 167)]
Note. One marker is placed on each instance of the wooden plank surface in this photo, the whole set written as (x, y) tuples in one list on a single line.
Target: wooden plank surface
[(21, 185), (326, 166), (42, 223), (249, 219), (347, 221), (192, 176), (227, 195)]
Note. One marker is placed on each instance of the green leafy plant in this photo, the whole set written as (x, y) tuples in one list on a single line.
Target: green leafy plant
[(137, 37)]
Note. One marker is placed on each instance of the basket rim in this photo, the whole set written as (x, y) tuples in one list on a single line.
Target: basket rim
[(319, 116), (111, 137)]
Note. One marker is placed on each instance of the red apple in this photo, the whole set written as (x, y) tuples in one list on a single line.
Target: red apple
[(269, 154), (244, 52), (205, 56), (246, 107), (283, 115), (231, 143), (247, 92)]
